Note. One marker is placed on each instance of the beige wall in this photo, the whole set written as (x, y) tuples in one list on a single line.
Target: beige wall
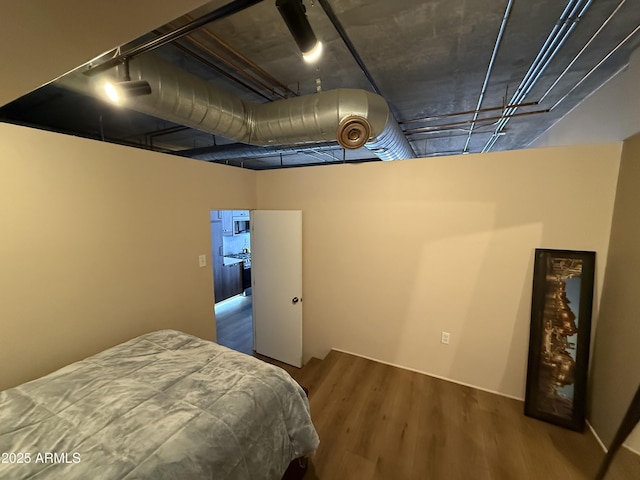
[(100, 243), (395, 253), (43, 39), (616, 360)]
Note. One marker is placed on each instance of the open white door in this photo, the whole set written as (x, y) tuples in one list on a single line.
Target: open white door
[(276, 278)]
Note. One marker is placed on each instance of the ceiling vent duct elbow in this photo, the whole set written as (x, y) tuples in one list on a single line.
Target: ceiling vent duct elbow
[(352, 117)]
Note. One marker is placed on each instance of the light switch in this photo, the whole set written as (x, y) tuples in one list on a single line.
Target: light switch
[(202, 260)]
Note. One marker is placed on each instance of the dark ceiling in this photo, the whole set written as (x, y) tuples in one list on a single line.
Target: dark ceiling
[(434, 62)]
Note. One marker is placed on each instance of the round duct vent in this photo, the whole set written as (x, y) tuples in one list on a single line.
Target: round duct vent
[(353, 132)]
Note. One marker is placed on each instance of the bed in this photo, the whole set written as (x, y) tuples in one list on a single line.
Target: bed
[(165, 405)]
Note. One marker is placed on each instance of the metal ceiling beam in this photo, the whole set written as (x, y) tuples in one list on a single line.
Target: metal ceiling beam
[(218, 14), (347, 41)]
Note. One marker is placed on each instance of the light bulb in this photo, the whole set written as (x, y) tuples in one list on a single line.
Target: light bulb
[(112, 92), (314, 54)]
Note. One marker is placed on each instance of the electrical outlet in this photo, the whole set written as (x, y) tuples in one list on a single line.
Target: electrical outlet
[(202, 260), (445, 338)]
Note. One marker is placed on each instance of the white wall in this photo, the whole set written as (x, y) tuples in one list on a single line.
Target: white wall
[(612, 113)]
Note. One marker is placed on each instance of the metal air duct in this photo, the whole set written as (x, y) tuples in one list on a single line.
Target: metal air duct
[(352, 117)]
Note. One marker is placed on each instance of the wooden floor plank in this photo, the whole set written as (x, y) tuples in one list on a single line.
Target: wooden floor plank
[(378, 422), (234, 323), (625, 466)]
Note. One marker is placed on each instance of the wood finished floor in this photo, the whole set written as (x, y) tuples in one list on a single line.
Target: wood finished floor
[(234, 324), (378, 422)]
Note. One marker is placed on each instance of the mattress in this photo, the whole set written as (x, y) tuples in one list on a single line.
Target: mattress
[(165, 405)]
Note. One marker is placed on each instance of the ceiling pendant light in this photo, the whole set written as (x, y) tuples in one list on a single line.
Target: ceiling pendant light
[(294, 14)]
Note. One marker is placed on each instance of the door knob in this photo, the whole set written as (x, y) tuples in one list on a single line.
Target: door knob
[(295, 300)]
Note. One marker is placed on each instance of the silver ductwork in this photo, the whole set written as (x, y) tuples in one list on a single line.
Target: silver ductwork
[(354, 118)]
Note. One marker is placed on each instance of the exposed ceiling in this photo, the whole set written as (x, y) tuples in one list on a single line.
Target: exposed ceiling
[(434, 62)]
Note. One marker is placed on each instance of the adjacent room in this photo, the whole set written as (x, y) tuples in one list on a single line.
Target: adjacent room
[(231, 264), (352, 197)]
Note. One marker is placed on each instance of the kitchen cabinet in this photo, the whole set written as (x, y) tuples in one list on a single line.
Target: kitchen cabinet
[(217, 260), (246, 278), (231, 280), (227, 222)]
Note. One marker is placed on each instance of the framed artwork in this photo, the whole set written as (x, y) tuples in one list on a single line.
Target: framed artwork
[(560, 336)]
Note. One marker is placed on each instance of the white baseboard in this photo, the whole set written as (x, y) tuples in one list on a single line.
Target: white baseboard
[(431, 375), (602, 445), (632, 450), (600, 442)]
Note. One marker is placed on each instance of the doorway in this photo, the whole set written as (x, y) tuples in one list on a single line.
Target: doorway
[(269, 243), (231, 263)]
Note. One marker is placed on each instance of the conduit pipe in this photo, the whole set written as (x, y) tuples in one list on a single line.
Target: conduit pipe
[(232, 151), (614, 50), (225, 11), (335, 21), (561, 31), (254, 66), (355, 118), (579, 54), (431, 128), (483, 90), (464, 112)]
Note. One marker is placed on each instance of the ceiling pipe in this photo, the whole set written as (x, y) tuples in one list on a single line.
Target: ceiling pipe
[(237, 68), (614, 50), (553, 54), (221, 71), (494, 53), (393, 134), (250, 63), (465, 112), (348, 43), (354, 118), (232, 151), (579, 54), (467, 122), (218, 14), (561, 31)]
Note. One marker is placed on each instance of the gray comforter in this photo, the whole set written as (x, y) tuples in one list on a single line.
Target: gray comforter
[(164, 405)]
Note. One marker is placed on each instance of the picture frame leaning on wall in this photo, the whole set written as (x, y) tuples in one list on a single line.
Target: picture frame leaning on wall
[(560, 335)]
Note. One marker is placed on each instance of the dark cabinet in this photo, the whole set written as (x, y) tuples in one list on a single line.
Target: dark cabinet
[(217, 260), (231, 280), (246, 278)]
